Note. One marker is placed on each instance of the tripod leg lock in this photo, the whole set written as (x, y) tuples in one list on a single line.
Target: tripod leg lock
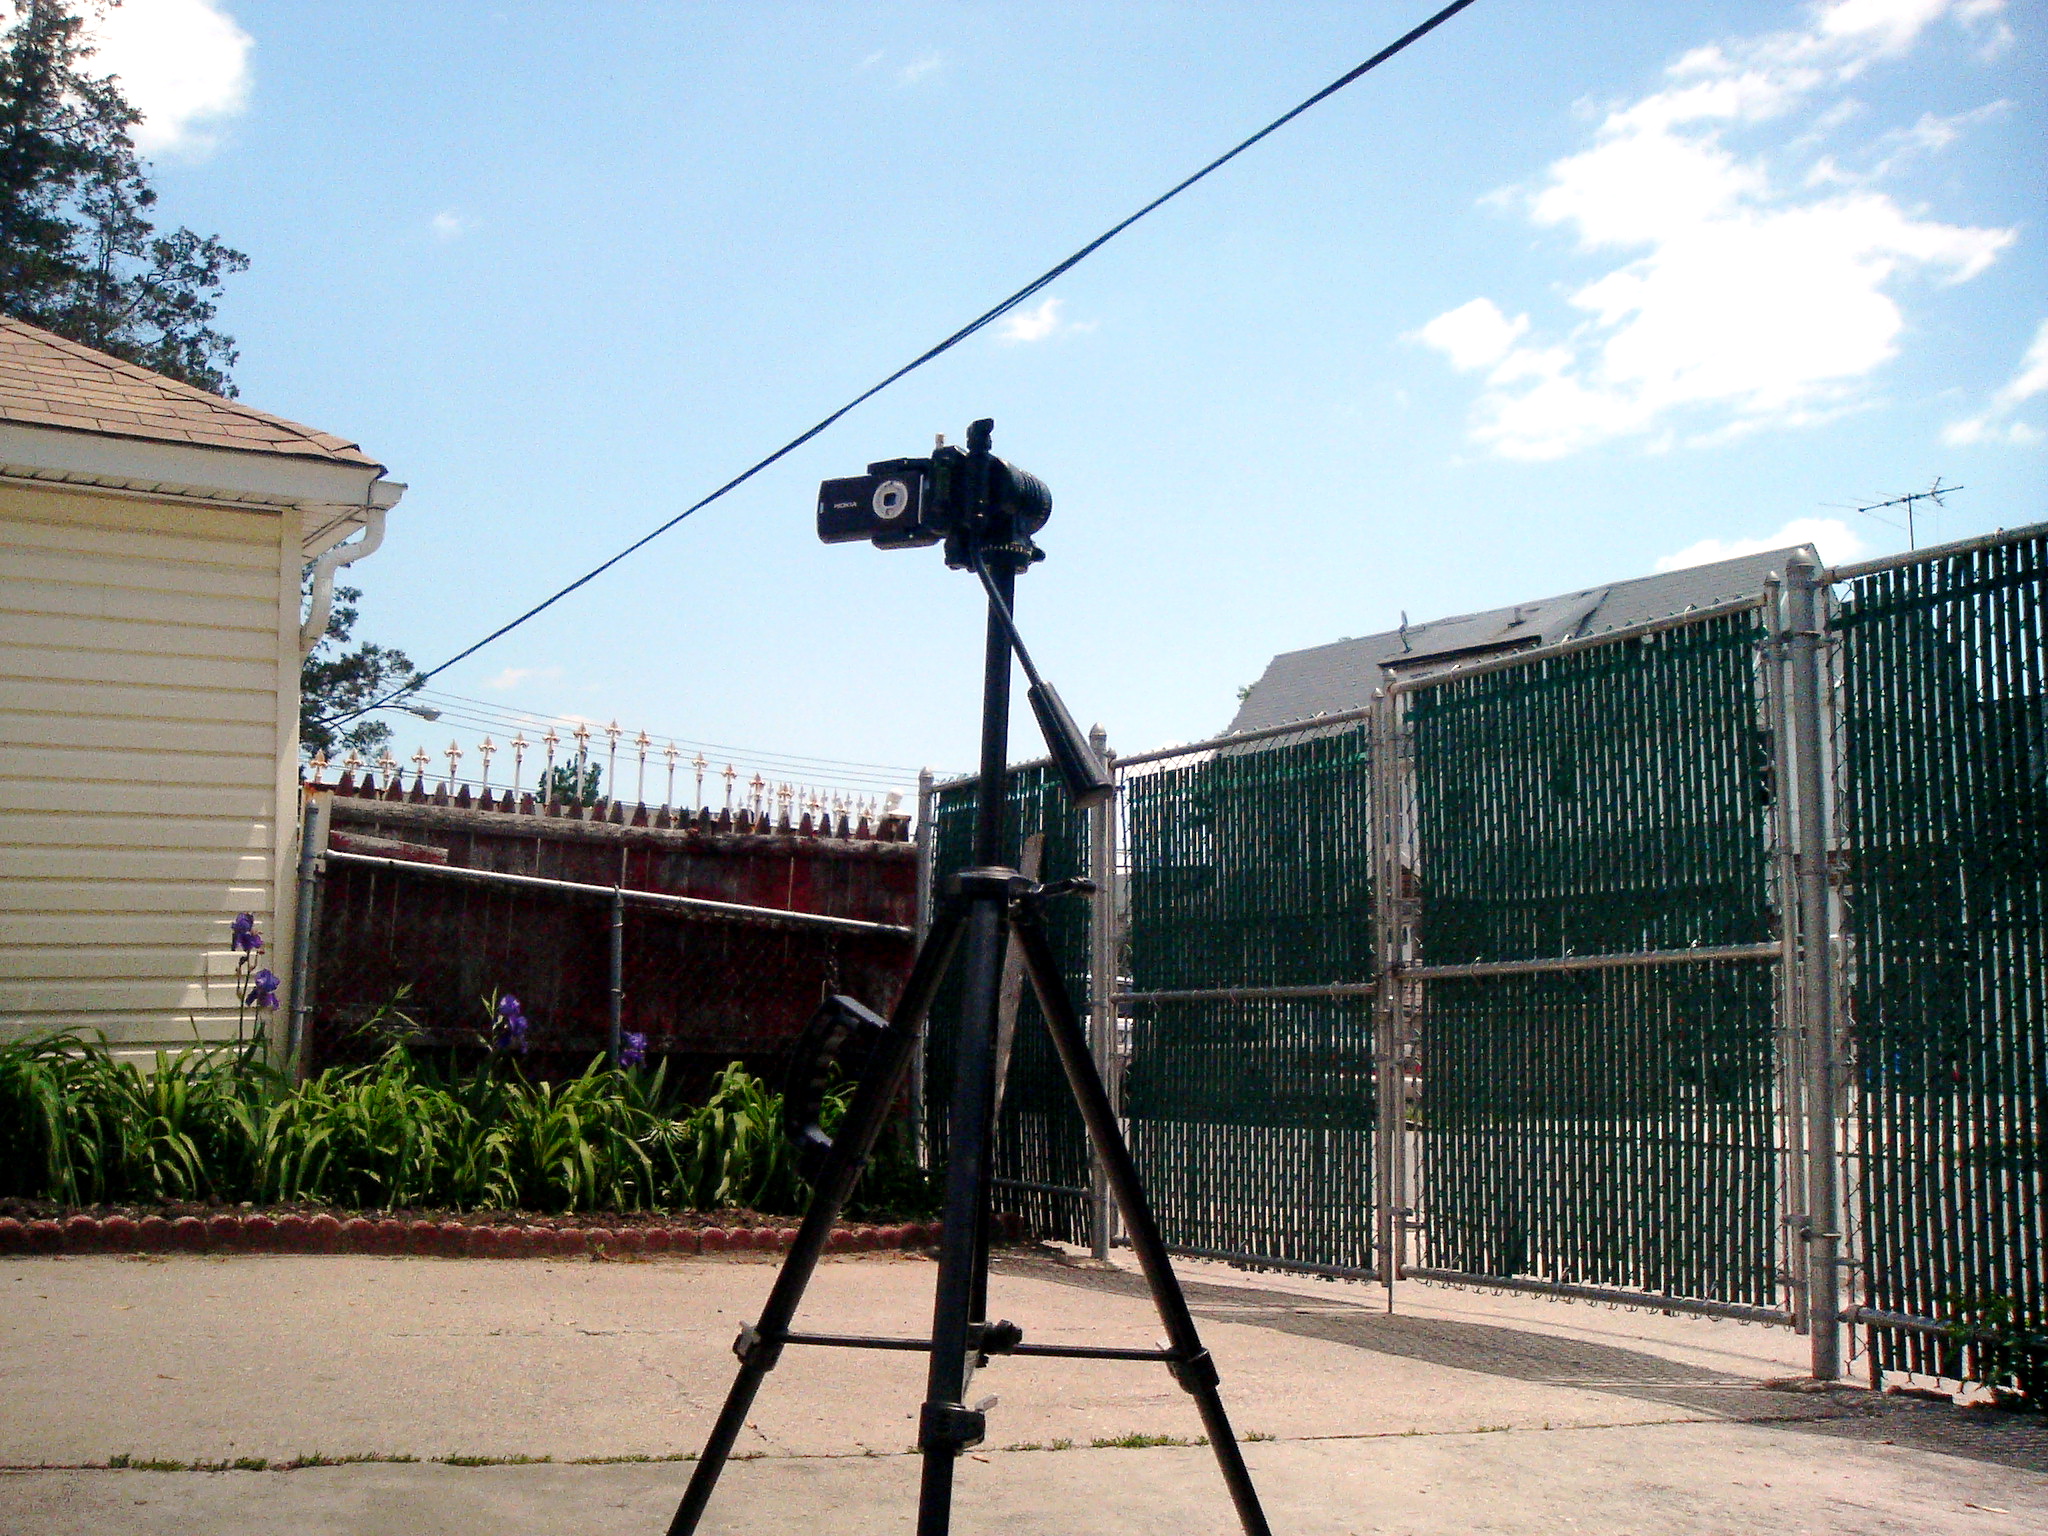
[(1197, 1373), (757, 1351), (950, 1427)]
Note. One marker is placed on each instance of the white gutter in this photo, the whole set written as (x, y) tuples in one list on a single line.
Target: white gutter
[(383, 495)]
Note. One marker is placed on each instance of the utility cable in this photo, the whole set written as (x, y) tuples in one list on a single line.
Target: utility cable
[(986, 318)]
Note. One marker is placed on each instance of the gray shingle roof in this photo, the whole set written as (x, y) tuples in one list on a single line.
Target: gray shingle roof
[(1328, 678), (47, 381)]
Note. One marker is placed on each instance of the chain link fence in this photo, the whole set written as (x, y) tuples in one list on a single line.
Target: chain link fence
[(1646, 967)]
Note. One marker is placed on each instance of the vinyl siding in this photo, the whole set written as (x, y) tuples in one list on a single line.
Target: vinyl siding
[(148, 682)]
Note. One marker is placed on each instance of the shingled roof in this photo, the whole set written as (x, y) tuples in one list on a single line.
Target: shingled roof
[(1329, 678), (46, 381)]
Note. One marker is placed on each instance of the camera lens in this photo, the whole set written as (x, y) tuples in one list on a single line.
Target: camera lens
[(891, 497)]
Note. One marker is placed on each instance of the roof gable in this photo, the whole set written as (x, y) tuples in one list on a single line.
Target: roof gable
[(47, 381)]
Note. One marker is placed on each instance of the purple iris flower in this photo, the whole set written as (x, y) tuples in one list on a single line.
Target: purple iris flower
[(263, 990), (512, 1025), (632, 1049), (244, 938)]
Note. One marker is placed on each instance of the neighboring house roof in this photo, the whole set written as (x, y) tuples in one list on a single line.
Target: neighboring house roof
[(46, 381), (1329, 678)]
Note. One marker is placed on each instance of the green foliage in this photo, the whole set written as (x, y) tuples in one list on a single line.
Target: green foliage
[(334, 680), (2007, 1344), (80, 1127), (571, 784), (78, 253)]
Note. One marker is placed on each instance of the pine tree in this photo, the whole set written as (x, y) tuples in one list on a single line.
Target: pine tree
[(79, 254)]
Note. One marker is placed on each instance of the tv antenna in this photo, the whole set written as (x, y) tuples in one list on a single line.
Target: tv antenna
[(1910, 501)]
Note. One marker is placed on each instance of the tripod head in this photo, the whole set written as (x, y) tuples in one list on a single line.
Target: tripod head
[(985, 511)]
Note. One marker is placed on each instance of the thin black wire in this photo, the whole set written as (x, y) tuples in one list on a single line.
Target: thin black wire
[(986, 318)]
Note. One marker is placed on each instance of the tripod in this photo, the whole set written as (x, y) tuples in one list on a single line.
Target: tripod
[(984, 909)]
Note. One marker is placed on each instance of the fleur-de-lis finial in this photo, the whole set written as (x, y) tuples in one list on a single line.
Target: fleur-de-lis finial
[(419, 763), (352, 762), (485, 749), (318, 764), (386, 763), (454, 756), (518, 758), (731, 773)]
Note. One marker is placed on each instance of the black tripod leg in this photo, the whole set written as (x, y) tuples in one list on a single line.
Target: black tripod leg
[(1193, 1368), (946, 1426), (760, 1346)]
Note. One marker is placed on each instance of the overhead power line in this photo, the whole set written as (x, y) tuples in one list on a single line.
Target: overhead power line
[(984, 319)]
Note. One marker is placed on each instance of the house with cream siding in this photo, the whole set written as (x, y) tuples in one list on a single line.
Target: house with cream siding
[(152, 542)]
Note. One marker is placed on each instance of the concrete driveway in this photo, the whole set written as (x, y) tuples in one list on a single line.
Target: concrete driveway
[(471, 1395)]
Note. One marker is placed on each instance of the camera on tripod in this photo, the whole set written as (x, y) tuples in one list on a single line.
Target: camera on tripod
[(908, 503)]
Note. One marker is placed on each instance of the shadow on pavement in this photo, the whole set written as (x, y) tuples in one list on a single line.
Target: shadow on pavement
[(2009, 1439)]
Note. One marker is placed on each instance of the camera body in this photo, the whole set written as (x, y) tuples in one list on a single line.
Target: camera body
[(909, 503)]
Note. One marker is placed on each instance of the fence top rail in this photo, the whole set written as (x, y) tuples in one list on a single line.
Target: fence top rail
[(1239, 738), (726, 909), (1933, 552), (1572, 647)]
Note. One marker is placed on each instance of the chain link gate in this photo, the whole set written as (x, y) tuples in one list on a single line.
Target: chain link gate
[(1943, 687), (1249, 937), (1597, 943)]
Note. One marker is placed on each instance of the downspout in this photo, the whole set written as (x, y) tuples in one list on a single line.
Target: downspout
[(321, 604)]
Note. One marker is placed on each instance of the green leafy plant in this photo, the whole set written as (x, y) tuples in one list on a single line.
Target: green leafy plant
[(2005, 1346), (79, 1126)]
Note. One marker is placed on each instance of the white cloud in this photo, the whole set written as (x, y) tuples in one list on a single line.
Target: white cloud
[(1837, 542), (1741, 303), (1474, 335), (447, 224), (918, 68), (1039, 322), (1994, 424), (183, 64)]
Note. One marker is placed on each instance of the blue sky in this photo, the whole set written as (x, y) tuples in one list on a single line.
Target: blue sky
[(1558, 295)]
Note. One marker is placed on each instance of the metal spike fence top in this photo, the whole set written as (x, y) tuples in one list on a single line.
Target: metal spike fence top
[(1944, 814), (1253, 1119), (1611, 1127), (1041, 1146)]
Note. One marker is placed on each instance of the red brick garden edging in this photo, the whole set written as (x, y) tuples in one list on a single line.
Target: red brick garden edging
[(234, 1232)]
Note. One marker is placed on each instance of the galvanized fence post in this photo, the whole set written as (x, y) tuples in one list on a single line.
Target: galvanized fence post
[(312, 844), (1102, 935), (926, 851), (1822, 1228), (1789, 1066), (1391, 1120)]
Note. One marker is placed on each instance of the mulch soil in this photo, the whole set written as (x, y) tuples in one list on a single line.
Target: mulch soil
[(32, 1227)]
